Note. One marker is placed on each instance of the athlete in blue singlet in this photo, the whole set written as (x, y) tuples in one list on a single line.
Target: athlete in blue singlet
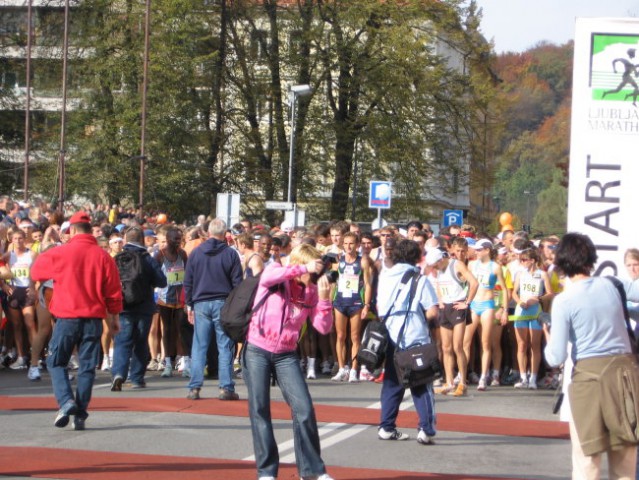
[(488, 275)]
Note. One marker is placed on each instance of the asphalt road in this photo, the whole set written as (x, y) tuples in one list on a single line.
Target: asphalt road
[(157, 433)]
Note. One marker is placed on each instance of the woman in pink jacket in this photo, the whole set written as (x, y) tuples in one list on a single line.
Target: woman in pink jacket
[(271, 349)]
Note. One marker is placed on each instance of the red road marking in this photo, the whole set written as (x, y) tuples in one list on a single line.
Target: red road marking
[(325, 413), (99, 465)]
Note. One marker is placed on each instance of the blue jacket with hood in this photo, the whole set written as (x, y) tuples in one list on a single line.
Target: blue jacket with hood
[(213, 270)]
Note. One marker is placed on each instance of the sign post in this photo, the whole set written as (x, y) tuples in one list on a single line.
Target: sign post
[(227, 207), (453, 217), (380, 197)]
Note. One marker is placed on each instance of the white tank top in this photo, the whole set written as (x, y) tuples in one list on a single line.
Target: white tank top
[(21, 268), (530, 284), (451, 287)]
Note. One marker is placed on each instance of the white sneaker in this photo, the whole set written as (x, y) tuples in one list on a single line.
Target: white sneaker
[(495, 382), (365, 375), (353, 376), (457, 380), (73, 363), (532, 386), (481, 386), (186, 371), (521, 384), (105, 364), (392, 435), (341, 375), (310, 373), (437, 383), (424, 439), (34, 374), (19, 364)]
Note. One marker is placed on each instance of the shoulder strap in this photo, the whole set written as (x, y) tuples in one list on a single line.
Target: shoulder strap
[(624, 303), (408, 274), (411, 296)]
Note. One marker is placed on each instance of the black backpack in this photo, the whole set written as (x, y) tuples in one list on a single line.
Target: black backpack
[(238, 308), (134, 285), (372, 351)]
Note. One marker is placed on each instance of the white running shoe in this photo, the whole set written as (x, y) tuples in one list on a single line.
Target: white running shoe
[(310, 373), (19, 364), (341, 375), (481, 386), (34, 374), (186, 371), (353, 377), (365, 375), (424, 439), (392, 435), (106, 366), (73, 363), (457, 379), (521, 384)]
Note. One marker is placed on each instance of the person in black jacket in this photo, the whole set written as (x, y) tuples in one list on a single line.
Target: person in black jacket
[(131, 343)]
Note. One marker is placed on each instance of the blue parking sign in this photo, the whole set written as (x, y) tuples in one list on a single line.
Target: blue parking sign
[(380, 195), (453, 217)]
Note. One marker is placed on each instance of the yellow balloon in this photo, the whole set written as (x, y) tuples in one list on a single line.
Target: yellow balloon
[(507, 227), (505, 219)]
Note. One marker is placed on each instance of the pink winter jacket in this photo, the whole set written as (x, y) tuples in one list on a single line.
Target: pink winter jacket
[(276, 326)]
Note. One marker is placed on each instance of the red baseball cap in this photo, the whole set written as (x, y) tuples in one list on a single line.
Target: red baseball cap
[(80, 217)]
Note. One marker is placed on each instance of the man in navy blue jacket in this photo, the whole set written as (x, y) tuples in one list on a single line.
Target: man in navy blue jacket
[(213, 270), (132, 341)]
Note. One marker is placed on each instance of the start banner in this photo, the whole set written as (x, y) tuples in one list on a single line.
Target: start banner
[(603, 195)]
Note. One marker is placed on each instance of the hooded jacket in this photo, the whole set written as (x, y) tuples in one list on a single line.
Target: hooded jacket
[(213, 270), (392, 300), (276, 326)]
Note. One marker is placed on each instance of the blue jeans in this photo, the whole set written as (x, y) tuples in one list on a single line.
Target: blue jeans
[(393, 393), (256, 370), (207, 321), (69, 333), (132, 347)]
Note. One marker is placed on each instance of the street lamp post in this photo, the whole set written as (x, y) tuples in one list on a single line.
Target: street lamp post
[(295, 91), (528, 219)]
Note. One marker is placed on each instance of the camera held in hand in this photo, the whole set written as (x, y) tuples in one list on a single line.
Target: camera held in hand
[(327, 261)]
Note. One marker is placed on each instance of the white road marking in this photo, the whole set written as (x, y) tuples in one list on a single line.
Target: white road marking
[(328, 438)]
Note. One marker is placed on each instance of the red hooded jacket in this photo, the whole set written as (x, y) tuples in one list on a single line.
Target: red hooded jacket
[(86, 282)]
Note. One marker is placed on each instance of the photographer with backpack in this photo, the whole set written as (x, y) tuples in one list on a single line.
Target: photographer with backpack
[(406, 304), (139, 274)]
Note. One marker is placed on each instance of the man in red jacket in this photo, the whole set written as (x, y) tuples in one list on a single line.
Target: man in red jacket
[(87, 289)]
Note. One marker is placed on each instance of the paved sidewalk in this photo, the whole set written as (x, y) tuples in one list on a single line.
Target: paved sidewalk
[(156, 433)]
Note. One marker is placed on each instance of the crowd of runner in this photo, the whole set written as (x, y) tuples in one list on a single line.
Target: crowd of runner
[(494, 293)]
